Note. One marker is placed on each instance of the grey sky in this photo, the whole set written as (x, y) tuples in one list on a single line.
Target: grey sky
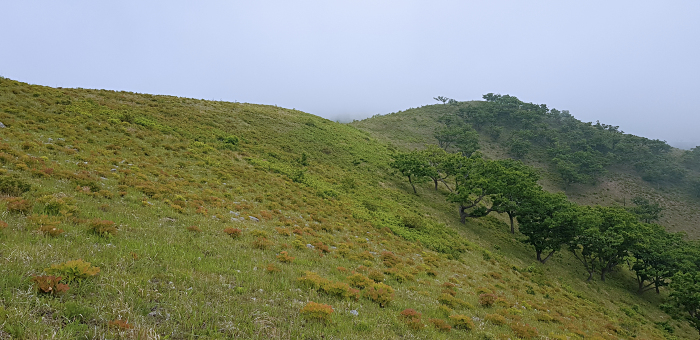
[(630, 63)]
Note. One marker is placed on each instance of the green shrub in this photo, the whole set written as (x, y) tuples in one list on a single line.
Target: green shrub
[(453, 302), (341, 290), (317, 311), (103, 228), (523, 331), (358, 280), (379, 293), (312, 280), (462, 322), (441, 325), (495, 319), (74, 271), (13, 185), (376, 275)]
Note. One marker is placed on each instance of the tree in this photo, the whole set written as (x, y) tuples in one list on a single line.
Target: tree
[(477, 115), (516, 185), (414, 166), (474, 185), (543, 220), (646, 211), (657, 257), (461, 136), (443, 164), (441, 99), (483, 186), (685, 296), (580, 166), (603, 237)]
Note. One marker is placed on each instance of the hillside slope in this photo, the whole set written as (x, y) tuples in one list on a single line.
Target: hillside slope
[(415, 128), (219, 220)]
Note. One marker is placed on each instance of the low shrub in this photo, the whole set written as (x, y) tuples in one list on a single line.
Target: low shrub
[(358, 280), (462, 322), (410, 313), (262, 243), (341, 290), (19, 205), (446, 311), (284, 257), (453, 302), (379, 293), (3, 225), (233, 232), (441, 325), (321, 247), (544, 317), (194, 229), (50, 230), (390, 259), (523, 331), (103, 227), (376, 275), (48, 284), (283, 231), (73, 271), (495, 319), (412, 319), (119, 325), (312, 280), (271, 268), (317, 311), (487, 300), (259, 233), (58, 204), (13, 185), (398, 275)]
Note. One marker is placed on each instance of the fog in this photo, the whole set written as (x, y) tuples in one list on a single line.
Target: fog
[(627, 63)]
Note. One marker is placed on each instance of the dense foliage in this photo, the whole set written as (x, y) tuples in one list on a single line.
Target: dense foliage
[(600, 238), (579, 152)]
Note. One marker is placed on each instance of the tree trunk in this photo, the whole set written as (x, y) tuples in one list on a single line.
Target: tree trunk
[(590, 276), (512, 228), (462, 214), (548, 256), (414, 187), (436, 183)]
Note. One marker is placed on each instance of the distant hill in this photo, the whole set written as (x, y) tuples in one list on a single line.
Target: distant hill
[(591, 163), (128, 215)]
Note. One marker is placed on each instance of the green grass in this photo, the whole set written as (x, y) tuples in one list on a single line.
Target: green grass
[(156, 165)]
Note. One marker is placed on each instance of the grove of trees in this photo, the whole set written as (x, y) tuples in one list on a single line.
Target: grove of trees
[(601, 238)]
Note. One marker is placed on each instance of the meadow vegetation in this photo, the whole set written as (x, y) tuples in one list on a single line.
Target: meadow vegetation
[(184, 218)]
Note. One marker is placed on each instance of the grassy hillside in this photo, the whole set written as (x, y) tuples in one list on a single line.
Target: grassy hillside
[(415, 128), (219, 220)]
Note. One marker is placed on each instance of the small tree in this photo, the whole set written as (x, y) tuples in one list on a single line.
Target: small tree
[(603, 238), (442, 99), (684, 297), (645, 210), (414, 166), (658, 255), (544, 220)]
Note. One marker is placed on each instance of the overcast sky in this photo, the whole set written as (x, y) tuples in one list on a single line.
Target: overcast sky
[(630, 63)]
